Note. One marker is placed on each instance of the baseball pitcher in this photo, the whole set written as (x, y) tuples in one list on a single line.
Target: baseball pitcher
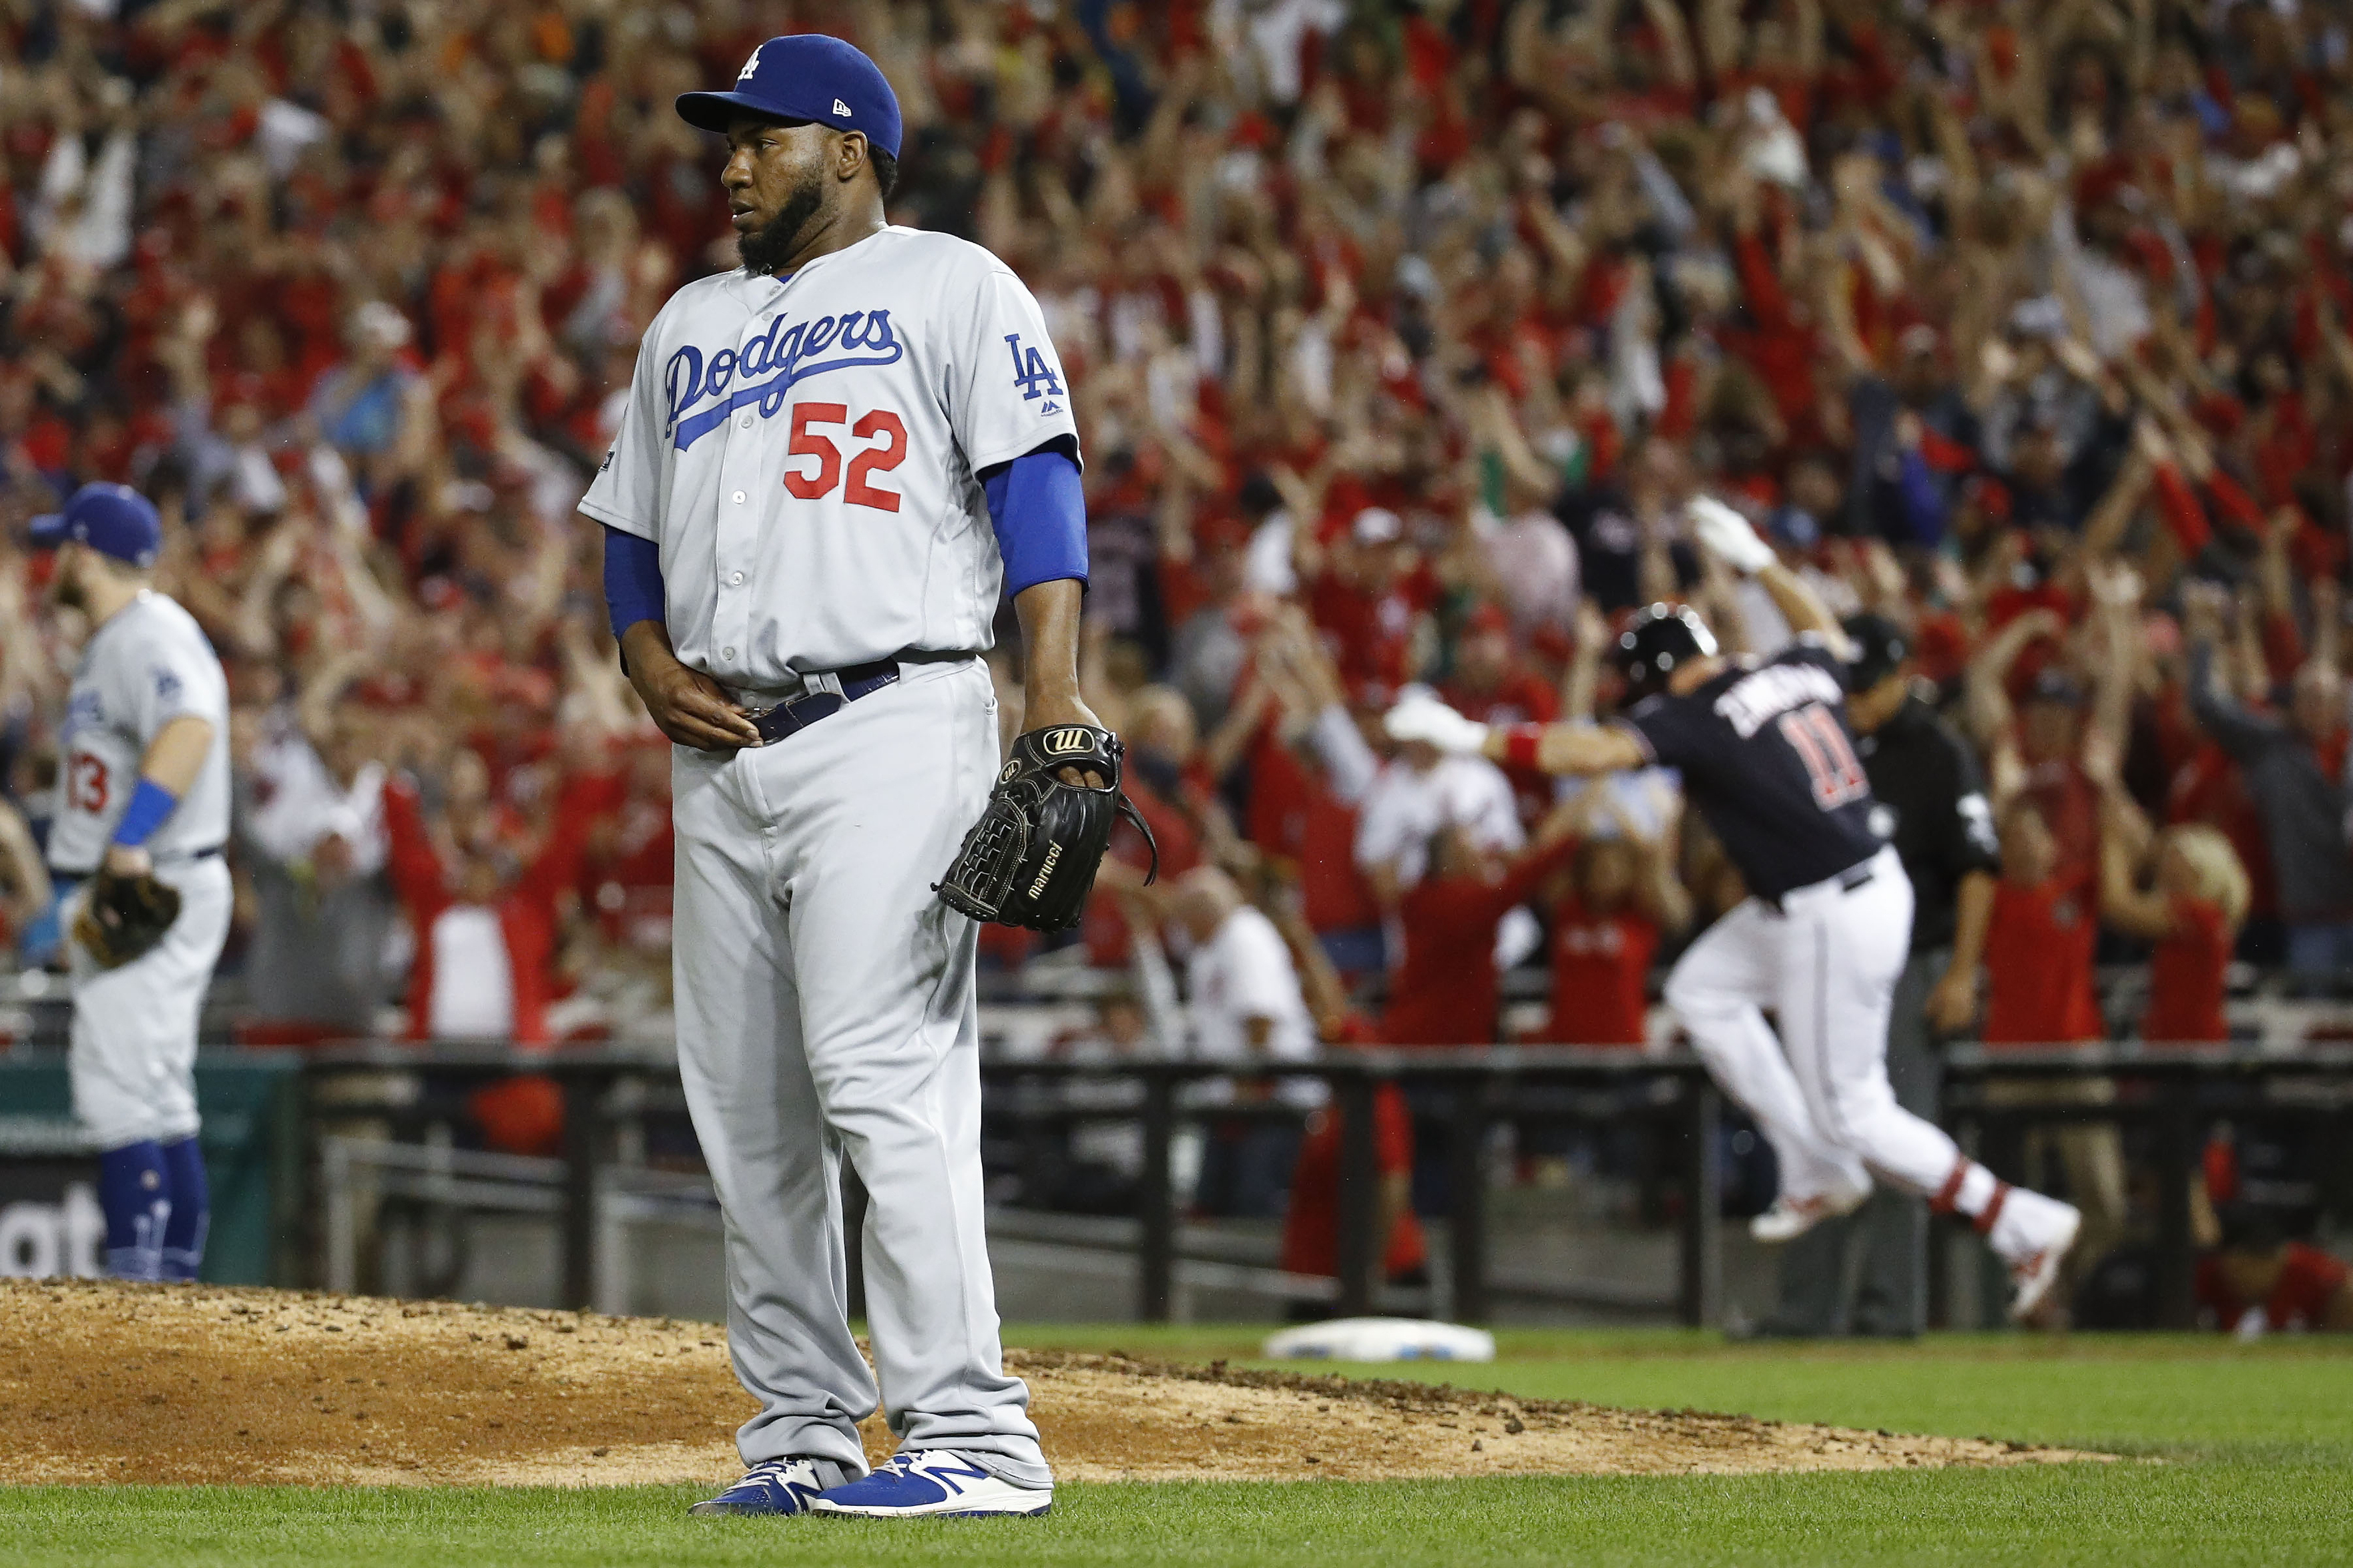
[(832, 461), (142, 813), (1766, 755)]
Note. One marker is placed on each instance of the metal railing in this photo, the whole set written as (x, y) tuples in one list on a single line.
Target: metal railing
[(2174, 1091)]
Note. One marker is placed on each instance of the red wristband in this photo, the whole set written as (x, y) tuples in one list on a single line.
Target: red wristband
[(1520, 744)]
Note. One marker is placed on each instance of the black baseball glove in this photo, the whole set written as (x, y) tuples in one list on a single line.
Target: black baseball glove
[(1031, 858), (124, 917)]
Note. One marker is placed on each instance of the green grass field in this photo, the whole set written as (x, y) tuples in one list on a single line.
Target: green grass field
[(2239, 1455)]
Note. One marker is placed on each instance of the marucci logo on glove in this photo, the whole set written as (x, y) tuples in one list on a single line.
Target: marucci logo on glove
[(1032, 858)]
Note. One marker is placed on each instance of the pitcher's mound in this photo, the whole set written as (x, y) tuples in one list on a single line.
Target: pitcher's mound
[(102, 1382)]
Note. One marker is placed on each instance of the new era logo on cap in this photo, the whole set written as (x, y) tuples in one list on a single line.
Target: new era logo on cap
[(841, 109)]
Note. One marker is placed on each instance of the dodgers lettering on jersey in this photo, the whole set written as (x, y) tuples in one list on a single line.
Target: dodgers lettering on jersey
[(1766, 758), (148, 665), (804, 451)]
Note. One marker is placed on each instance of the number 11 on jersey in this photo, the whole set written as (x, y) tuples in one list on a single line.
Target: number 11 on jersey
[(1814, 733)]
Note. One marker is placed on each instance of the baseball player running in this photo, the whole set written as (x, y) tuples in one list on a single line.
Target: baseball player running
[(831, 460), (141, 812), (1766, 755)]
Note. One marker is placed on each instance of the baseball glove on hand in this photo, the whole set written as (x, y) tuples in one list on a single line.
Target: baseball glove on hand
[(1031, 858), (124, 917)]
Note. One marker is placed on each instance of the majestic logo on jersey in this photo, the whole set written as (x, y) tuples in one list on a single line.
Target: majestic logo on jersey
[(167, 686), (750, 66), (1776, 688), (783, 354), (1032, 373)]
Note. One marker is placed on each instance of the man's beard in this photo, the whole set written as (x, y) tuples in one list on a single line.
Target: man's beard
[(66, 590), (773, 244)]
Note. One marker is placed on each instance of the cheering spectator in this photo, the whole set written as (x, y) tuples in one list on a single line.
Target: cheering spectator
[(1399, 339), (23, 879), (311, 841), (1444, 989), (482, 895), (2259, 1282), (2296, 774), (1616, 901), (1246, 1009), (1311, 1222), (2190, 913)]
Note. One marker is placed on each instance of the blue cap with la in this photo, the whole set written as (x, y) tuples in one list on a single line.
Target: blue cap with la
[(113, 520), (804, 75)]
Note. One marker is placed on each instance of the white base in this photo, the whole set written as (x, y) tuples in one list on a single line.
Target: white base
[(1381, 1338)]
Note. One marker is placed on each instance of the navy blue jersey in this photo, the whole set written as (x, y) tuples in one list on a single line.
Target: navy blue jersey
[(1766, 758)]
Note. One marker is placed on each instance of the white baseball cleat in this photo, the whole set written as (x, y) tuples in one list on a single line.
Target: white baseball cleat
[(774, 1487), (933, 1483), (2033, 1273), (1790, 1218)]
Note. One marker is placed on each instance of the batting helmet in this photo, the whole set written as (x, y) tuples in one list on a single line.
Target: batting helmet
[(1658, 641), (1881, 646)]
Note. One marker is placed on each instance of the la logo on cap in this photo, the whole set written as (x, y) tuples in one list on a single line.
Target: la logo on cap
[(750, 66)]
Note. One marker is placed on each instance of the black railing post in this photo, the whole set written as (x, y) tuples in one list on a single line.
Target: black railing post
[(1466, 1180), (584, 1105), (1701, 1291), (1360, 1247), (1156, 1203), (2177, 1161)]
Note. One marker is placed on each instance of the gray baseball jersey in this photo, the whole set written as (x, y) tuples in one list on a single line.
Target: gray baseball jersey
[(148, 664), (802, 450)]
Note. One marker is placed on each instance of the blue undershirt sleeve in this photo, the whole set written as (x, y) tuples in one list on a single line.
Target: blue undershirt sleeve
[(633, 580), (1038, 510)]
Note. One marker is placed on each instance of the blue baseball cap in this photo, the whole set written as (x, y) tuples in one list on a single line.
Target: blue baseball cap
[(804, 75), (113, 520)]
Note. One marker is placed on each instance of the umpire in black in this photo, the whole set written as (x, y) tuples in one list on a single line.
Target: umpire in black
[(1867, 1273)]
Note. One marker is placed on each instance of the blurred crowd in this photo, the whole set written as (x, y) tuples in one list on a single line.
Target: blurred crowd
[(1399, 333)]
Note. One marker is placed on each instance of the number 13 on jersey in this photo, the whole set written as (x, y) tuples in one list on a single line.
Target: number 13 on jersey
[(858, 486)]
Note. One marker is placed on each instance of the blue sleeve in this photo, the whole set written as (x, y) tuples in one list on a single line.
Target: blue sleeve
[(633, 580), (1039, 511)]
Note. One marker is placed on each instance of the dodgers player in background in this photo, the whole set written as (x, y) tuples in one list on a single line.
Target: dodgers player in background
[(143, 786), (832, 460)]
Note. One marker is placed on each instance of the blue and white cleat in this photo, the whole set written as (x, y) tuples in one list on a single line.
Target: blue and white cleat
[(775, 1487), (937, 1483)]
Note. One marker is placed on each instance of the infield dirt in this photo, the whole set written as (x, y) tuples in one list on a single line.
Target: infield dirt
[(108, 1382)]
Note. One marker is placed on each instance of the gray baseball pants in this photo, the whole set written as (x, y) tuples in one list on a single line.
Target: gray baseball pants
[(826, 1010)]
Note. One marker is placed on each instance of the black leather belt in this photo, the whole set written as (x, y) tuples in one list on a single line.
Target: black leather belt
[(1848, 881), (827, 692)]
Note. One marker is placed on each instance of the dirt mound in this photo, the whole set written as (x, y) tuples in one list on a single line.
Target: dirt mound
[(101, 1382)]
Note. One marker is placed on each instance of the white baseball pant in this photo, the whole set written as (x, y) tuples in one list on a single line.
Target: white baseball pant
[(133, 1058), (825, 1008), (1826, 962)]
